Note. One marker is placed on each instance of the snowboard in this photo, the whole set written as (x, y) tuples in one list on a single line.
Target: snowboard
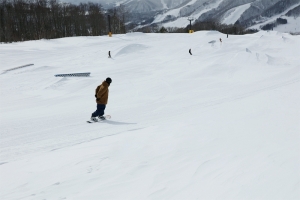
[(100, 120)]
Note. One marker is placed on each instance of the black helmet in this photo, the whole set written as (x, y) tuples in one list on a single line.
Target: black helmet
[(108, 80)]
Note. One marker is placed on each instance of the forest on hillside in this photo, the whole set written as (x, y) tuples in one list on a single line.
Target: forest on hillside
[(22, 20)]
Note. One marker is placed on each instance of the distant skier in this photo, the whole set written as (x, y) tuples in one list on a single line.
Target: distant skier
[(220, 40), (109, 56), (101, 99), (190, 51)]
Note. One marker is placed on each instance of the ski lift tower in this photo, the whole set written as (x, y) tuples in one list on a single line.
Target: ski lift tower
[(191, 19)]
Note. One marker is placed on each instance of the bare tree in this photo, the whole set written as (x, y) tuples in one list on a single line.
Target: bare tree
[(35, 19)]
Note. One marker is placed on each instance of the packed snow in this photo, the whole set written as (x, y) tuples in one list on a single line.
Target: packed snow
[(222, 123)]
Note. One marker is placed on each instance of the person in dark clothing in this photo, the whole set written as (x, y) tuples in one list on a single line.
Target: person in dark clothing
[(190, 51), (109, 56), (101, 99)]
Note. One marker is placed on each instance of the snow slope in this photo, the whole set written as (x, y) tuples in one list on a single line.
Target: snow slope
[(232, 15), (180, 21), (173, 12), (220, 124), (291, 27)]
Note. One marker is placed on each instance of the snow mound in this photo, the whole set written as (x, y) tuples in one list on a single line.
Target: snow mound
[(213, 33), (135, 34), (277, 60), (131, 49)]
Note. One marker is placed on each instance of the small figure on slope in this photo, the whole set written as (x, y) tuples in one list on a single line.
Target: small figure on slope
[(101, 100), (190, 51), (109, 56)]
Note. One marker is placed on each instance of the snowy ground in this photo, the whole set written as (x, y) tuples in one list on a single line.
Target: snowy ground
[(220, 124)]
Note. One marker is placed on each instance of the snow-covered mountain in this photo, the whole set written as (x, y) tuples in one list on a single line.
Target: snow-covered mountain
[(174, 13), (151, 5), (245, 12), (171, 13), (286, 11), (141, 6)]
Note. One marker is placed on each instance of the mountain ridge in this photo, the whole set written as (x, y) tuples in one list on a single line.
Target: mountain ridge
[(175, 13), (246, 13)]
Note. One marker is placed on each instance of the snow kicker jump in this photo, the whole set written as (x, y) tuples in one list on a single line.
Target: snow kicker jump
[(17, 68)]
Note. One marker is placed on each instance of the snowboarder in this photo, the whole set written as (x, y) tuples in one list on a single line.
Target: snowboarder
[(109, 56), (101, 99), (190, 51), (220, 40)]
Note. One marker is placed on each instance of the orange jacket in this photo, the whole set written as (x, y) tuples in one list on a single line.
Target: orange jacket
[(102, 93)]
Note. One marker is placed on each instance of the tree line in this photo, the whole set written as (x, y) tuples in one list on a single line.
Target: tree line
[(274, 24), (22, 20), (232, 29)]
